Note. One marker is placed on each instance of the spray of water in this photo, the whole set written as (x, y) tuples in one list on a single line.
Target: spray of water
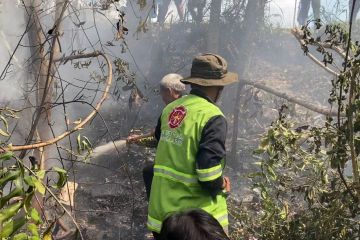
[(108, 148)]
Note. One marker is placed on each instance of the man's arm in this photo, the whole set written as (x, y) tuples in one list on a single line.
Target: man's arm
[(210, 154), (148, 140), (158, 129)]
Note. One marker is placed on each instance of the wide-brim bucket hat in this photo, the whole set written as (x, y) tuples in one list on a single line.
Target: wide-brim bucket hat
[(210, 70)]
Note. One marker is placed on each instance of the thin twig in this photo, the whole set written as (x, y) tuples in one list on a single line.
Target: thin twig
[(77, 127), (297, 35), (3, 73), (346, 185)]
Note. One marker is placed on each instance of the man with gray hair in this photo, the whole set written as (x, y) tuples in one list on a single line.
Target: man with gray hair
[(171, 88)]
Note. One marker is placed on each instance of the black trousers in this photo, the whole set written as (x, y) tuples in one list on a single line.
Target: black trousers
[(148, 174), (156, 236)]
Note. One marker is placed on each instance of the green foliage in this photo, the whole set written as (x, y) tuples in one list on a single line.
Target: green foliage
[(62, 178), (304, 193), (83, 144), (5, 114), (18, 186), (302, 197)]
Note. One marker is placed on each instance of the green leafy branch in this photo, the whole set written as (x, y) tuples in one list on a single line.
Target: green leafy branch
[(19, 218)]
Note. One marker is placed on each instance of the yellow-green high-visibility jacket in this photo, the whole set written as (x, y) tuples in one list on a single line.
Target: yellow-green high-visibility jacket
[(175, 186)]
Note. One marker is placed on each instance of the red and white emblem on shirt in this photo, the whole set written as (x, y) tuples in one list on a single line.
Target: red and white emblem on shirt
[(176, 116)]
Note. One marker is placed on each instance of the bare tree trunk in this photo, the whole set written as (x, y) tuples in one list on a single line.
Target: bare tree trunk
[(43, 71), (43, 128), (254, 19), (39, 63), (214, 26)]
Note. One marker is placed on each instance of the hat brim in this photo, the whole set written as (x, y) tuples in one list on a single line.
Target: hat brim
[(229, 78)]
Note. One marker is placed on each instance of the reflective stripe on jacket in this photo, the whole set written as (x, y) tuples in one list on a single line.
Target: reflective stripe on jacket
[(175, 185)]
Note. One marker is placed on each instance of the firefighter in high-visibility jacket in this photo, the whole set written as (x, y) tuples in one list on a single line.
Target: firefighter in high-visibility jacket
[(189, 163)]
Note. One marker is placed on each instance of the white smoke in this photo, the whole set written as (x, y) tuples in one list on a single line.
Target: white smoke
[(108, 148), (10, 33)]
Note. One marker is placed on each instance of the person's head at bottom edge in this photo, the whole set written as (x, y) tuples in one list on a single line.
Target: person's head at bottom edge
[(194, 224)]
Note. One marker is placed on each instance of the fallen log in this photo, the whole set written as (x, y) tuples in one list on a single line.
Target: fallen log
[(290, 98)]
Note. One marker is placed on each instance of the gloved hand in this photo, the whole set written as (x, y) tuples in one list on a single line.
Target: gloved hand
[(133, 138), (226, 184)]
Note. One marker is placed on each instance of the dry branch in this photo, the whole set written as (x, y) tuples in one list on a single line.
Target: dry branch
[(298, 33), (338, 50), (290, 98), (299, 36), (64, 59), (82, 123)]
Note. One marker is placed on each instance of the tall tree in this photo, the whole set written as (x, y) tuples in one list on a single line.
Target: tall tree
[(253, 21), (214, 26), (43, 70)]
